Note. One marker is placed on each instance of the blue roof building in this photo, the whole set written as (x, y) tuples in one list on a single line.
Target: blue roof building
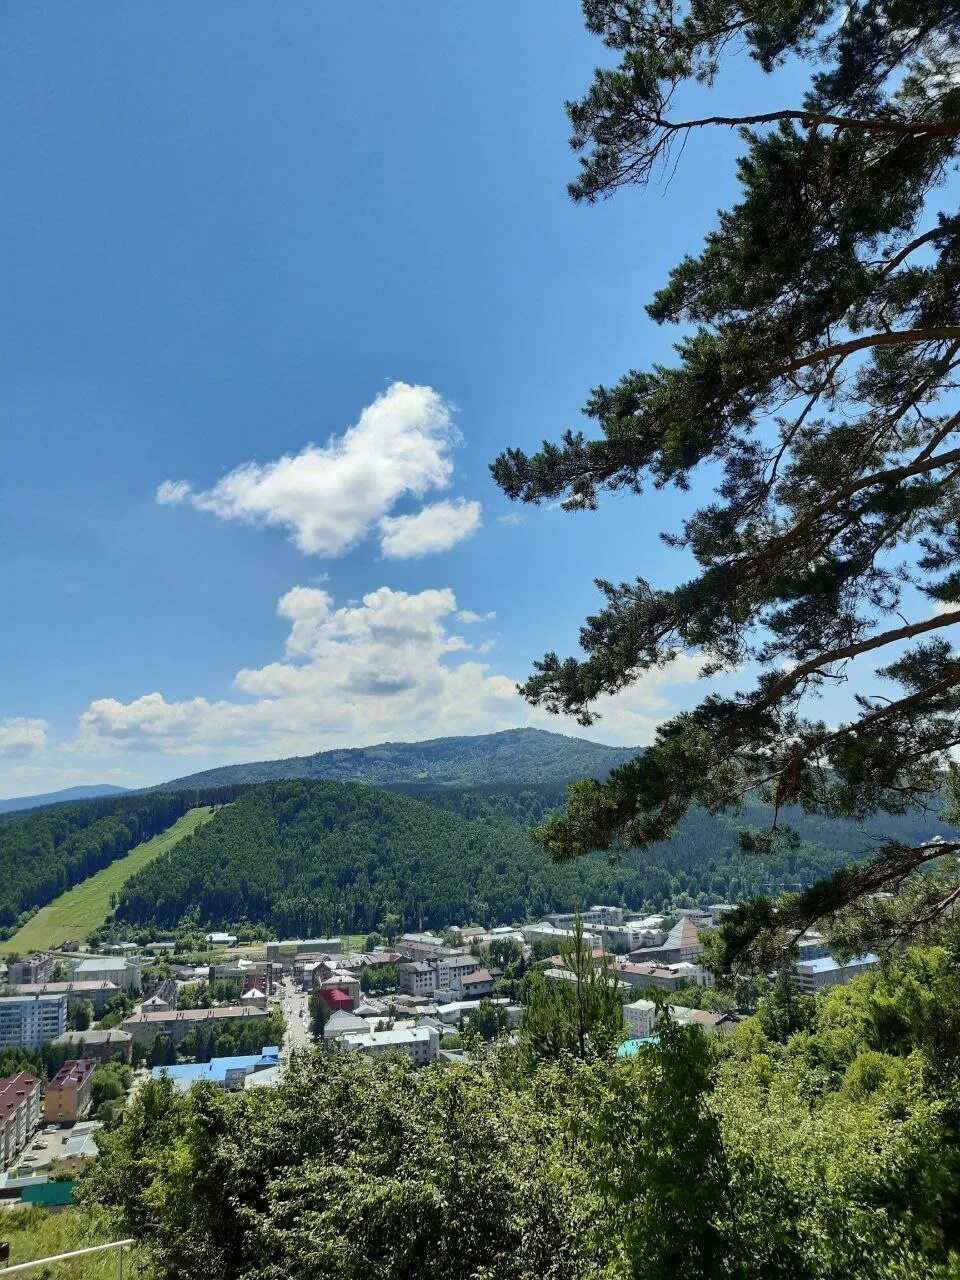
[(814, 975), (229, 1073), (630, 1048)]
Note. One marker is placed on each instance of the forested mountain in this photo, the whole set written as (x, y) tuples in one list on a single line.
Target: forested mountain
[(530, 755), (308, 857), (95, 791), (42, 854)]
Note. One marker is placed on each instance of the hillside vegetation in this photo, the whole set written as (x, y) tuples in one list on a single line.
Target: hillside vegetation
[(530, 755), (315, 857), (44, 854), (75, 913)]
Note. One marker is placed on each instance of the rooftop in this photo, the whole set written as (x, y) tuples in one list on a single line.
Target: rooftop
[(216, 1069), (112, 1036), (72, 1074), (829, 965), (67, 988), (196, 1015)]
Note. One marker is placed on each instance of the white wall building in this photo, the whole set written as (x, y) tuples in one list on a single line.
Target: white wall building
[(123, 973), (813, 975), (451, 970), (421, 1043), (27, 1022)]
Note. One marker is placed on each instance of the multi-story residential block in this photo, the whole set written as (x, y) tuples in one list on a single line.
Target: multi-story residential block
[(178, 1023), (67, 1096), (340, 1023), (811, 946), (33, 968), (425, 946), (417, 978), (811, 976), (421, 1043), (451, 970), (98, 993), (544, 931), (105, 1046), (27, 1022), (19, 1113), (599, 914)]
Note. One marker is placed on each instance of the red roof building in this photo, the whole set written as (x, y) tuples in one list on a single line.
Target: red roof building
[(336, 1000)]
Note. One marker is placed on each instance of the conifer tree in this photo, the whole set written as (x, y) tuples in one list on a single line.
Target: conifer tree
[(817, 373)]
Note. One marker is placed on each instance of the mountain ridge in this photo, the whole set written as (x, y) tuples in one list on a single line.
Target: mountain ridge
[(91, 791), (511, 755)]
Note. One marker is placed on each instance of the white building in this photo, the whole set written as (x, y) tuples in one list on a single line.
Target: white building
[(220, 939), (451, 971), (640, 1017), (421, 1043), (813, 975), (27, 1022), (417, 978), (474, 986), (597, 914), (122, 972), (543, 931)]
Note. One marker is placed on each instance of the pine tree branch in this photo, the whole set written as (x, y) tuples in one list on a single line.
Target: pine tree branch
[(811, 119), (853, 345), (789, 681)]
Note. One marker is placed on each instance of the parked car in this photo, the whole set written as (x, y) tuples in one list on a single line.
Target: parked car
[(43, 1145)]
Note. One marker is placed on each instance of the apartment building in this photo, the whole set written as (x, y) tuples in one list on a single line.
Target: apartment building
[(598, 914), (811, 976), (178, 1023), (98, 993), (451, 971), (105, 1046), (421, 1043), (417, 978), (33, 968), (19, 1113), (476, 985), (67, 1096), (640, 1018), (27, 1022)]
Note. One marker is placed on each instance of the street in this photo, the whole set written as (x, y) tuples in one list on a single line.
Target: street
[(294, 1005)]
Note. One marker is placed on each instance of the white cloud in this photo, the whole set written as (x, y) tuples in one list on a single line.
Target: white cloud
[(330, 497), (173, 491), (511, 518), (386, 667), (467, 616), (22, 736), (434, 528)]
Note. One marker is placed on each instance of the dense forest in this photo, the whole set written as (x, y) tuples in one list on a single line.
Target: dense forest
[(316, 857), (42, 854), (817, 1141), (531, 754)]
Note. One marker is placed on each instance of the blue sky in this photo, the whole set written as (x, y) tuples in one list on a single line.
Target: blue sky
[(232, 231)]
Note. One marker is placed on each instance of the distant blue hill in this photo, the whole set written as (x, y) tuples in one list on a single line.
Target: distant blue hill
[(94, 791)]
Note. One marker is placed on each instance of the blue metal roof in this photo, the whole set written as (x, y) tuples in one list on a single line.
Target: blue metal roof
[(827, 963), (630, 1048), (216, 1069)]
